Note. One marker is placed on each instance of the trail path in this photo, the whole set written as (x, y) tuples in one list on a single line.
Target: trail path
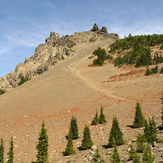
[(71, 65)]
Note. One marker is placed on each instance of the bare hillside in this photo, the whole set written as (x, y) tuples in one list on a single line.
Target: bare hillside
[(72, 87)]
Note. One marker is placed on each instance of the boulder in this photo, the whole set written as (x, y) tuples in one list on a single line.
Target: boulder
[(160, 149), (104, 29), (94, 147)]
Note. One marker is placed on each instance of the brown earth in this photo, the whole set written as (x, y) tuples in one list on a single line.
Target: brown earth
[(74, 88)]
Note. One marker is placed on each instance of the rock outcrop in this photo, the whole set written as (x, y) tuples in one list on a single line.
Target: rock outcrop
[(47, 55), (95, 28), (104, 29)]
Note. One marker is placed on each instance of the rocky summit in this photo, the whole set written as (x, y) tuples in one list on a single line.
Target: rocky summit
[(47, 55)]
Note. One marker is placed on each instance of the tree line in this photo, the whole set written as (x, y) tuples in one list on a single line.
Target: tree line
[(139, 53), (131, 41)]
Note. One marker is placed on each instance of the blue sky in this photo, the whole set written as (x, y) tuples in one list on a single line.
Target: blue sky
[(26, 24)]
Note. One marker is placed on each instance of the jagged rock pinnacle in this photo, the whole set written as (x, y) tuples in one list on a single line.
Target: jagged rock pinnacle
[(95, 28)]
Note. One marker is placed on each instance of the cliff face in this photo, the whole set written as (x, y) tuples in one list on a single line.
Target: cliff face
[(55, 49)]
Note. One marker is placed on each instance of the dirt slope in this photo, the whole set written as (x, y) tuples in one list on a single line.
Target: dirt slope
[(74, 88)]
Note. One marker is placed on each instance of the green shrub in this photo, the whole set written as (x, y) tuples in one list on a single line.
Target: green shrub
[(2, 92), (109, 56), (119, 61), (101, 56), (148, 72), (154, 70), (161, 71), (72, 45), (98, 62), (91, 40), (23, 80)]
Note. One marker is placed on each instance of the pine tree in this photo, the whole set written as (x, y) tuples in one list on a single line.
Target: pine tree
[(97, 157), (150, 130), (147, 155), (95, 119), (69, 148), (141, 139), (86, 142), (115, 158), (1, 152), (115, 134), (102, 117), (11, 152), (42, 146), (139, 118), (132, 152), (74, 128)]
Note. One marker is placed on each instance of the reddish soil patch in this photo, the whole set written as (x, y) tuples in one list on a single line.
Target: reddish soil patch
[(92, 66), (124, 75)]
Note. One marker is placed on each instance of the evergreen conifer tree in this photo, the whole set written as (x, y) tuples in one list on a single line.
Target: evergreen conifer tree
[(102, 116), (141, 139), (139, 118), (86, 142), (97, 157), (146, 129), (1, 152), (95, 119), (132, 152), (11, 152), (42, 146), (74, 128), (147, 155), (150, 130), (69, 148), (115, 158), (115, 134)]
